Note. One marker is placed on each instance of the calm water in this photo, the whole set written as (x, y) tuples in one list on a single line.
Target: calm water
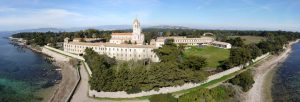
[(286, 82), (23, 73)]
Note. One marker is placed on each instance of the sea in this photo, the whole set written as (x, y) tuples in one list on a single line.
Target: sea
[(24, 74), (286, 81)]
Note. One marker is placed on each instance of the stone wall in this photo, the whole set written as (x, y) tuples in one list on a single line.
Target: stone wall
[(65, 53)]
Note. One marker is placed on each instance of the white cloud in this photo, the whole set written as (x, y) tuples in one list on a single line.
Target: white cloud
[(62, 18), (6, 9), (39, 18), (24, 19)]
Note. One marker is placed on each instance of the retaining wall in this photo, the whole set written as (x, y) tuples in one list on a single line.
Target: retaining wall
[(65, 53)]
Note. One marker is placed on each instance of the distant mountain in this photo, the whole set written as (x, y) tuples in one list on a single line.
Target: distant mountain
[(32, 30), (103, 27), (169, 27), (43, 30)]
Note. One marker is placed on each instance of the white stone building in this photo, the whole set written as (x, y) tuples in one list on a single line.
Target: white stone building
[(135, 37), (191, 41), (119, 49)]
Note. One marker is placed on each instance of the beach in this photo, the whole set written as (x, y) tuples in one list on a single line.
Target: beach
[(263, 75)]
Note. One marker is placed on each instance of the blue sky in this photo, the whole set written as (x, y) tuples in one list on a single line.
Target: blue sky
[(213, 14)]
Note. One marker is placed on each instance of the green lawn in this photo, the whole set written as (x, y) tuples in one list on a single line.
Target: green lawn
[(250, 39), (213, 55)]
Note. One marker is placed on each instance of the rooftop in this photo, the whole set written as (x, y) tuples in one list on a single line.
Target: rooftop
[(222, 43), (112, 45)]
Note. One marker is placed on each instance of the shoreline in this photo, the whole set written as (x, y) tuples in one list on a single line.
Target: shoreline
[(267, 90), (68, 73), (58, 92), (260, 92), (46, 93)]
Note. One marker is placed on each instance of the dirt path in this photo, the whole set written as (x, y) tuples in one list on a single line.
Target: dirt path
[(81, 93), (256, 93)]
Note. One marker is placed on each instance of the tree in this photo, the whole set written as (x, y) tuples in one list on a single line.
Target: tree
[(239, 56), (168, 52), (244, 80), (254, 50), (195, 62), (236, 42)]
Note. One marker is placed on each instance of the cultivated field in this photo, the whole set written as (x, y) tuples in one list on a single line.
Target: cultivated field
[(213, 55), (250, 39)]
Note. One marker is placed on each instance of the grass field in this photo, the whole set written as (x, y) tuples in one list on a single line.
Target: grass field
[(250, 39), (213, 55)]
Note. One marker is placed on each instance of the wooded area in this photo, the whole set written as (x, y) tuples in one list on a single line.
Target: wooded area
[(174, 68)]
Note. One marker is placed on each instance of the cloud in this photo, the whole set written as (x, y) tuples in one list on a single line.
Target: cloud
[(39, 18), (6, 9), (61, 18), (64, 17)]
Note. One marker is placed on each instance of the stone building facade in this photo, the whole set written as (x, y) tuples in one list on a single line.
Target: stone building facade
[(119, 48)]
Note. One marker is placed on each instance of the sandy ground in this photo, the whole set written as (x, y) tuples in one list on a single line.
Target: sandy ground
[(256, 93)]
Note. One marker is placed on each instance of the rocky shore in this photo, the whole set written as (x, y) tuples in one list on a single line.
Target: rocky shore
[(61, 91)]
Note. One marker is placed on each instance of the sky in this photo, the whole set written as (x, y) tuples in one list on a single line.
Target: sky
[(203, 14)]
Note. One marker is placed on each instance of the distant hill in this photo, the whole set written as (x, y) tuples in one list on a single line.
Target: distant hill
[(169, 27), (32, 30), (103, 27)]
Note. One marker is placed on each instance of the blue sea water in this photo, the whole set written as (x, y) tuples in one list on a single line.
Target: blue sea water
[(286, 81), (23, 73)]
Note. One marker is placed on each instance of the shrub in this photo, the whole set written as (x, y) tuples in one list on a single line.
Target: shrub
[(220, 93), (163, 98), (134, 90), (244, 80)]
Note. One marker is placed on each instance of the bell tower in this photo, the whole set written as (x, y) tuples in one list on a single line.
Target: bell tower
[(136, 27), (137, 35)]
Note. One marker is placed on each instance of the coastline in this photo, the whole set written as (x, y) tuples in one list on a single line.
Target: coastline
[(267, 89), (260, 92), (58, 92), (69, 76), (45, 93)]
